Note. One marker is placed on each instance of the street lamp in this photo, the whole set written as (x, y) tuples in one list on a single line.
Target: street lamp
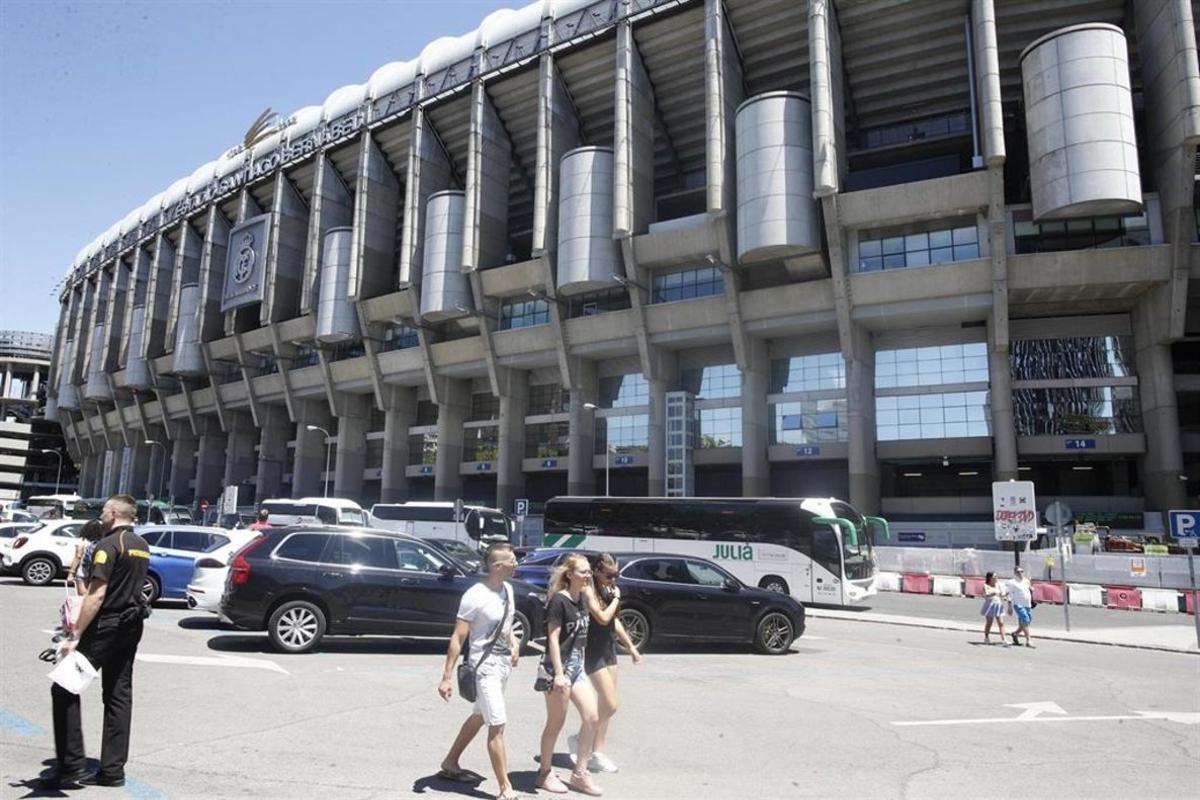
[(162, 469), (607, 452), (328, 449), (58, 478)]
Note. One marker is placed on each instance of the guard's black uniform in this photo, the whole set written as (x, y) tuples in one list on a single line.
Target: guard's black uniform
[(110, 643)]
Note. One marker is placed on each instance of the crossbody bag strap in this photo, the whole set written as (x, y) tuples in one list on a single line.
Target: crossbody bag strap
[(487, 651)]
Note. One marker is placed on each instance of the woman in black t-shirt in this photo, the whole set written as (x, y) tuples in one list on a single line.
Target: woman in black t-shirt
[(567, 612)]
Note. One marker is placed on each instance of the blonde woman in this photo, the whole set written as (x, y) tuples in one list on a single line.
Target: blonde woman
[(561, 674), (600, 658)]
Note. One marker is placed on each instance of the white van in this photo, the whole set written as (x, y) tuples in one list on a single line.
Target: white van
[(314, 511), (476, 525)]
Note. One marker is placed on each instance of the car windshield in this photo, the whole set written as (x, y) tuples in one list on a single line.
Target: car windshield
[(350, 516)]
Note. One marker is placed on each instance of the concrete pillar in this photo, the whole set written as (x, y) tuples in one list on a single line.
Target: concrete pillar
[(156, 475), (351, 457), (860, 417), (210, 464), (182, 470), (88, 472), (308, 464), (756, 381), (656, 484), (135, 471), (239, 453), (514, 404), (275, 430), (113, 462), (581, 430), (452, 411), (7, 381), (1004, 429), (1163, 462), (399, 413)]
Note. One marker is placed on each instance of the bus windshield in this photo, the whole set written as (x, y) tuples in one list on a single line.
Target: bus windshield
[(857, 556), (487, 525)]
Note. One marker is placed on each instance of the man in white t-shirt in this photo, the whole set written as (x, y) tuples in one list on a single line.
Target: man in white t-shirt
[(1020, 593), (483, 621)]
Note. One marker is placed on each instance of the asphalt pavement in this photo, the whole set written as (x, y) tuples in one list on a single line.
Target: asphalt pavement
[(855, 710)]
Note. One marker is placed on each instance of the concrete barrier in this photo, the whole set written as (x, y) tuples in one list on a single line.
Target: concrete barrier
[(1160, 600), (1123, 597), (915, 583), (1085, 594), (1044, 592), (948, 585), (973, 586), (888, 581)]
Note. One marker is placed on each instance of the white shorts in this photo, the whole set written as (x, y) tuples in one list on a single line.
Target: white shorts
[(490, 681)]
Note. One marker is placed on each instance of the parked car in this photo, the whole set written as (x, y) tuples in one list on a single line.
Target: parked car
[(242, 518), (42, 553), (314, 511), (462, 552), (686, 598), (21, 515), (174, 550), (536, 567), (301, 584), (206, 581)]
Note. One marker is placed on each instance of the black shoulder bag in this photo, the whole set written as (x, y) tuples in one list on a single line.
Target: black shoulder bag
[(466, 672)]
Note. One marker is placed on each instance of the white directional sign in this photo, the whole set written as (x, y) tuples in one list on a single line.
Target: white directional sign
[(1014, 511)]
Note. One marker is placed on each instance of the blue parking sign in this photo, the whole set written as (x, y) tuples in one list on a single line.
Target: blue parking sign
[(1184, 524)]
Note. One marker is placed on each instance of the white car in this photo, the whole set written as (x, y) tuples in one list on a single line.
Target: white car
[(174, 549), (43, 553), (208, 580)]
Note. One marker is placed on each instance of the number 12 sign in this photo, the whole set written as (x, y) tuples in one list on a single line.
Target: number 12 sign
[(1014, 511)]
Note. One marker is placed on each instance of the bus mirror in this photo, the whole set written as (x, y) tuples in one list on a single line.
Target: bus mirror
[(846, 525), (881, 523)]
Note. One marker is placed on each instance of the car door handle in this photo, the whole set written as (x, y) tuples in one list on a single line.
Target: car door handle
[(333, 574)]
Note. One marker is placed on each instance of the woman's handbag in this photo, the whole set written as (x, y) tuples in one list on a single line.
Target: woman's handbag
[(68, 612), (466, 673)]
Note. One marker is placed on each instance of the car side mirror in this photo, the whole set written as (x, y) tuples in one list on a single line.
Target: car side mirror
[(731, 585), (447, 571)]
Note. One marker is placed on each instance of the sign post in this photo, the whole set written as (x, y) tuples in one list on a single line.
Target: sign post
[(521, 509), (1014, 513), (1185, 528), (1059, 515)]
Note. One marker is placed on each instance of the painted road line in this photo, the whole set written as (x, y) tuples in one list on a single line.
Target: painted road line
[(18, 725), (1036, 712), (142, 791), (213, 661)]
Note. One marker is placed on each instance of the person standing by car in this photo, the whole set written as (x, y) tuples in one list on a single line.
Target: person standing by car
[(107, 634), (1020, 593), (600, 657), (994, 597), (263, 520), (485, 618), (561, 676)]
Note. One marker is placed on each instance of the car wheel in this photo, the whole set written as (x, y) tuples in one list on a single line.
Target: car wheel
[(637, 626), (774, 583), (39, 571), (520, 629), (151, 590), (297, 626), (774, 634)]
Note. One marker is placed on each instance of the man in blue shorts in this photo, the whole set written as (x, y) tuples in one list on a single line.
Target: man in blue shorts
[(1020, 592)]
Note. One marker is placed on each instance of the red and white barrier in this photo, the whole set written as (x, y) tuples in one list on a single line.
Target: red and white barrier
[(1124, 597), (1047, 592), (973, 586), (888, 582), (915, 583), (948, 585), (1160, 600)]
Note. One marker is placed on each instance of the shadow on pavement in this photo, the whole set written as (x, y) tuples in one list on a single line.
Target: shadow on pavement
[(41, 786), (439, 784), (207, 622), (376, 645)]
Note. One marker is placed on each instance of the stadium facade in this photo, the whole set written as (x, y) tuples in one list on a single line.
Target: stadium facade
[(33, 458), (885, 250)]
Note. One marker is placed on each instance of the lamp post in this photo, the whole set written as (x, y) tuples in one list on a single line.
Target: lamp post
[(607, 452), (328, 449), (162, 469), (58, 478)]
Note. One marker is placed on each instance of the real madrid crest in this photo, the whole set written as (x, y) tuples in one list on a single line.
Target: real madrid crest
[(244, 268)]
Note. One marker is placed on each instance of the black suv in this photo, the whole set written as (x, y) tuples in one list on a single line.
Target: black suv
[(301, 583)]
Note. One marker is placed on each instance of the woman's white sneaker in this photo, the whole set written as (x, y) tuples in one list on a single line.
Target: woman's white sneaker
[(601, 763)]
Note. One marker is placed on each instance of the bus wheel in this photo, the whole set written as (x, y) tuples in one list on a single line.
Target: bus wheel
[(774, 583), (637, 626), (774, 634)]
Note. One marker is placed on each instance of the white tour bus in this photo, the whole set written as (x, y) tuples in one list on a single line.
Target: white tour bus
[(314, 510), (476, 526), (817, 549)]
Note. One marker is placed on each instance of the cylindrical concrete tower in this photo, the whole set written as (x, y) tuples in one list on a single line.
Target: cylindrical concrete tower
[(188, 360), (336, 319), (587, 254), (97, 387), (444, 287), (776, 212), (1083, 159), (68, 398), (137, 371)]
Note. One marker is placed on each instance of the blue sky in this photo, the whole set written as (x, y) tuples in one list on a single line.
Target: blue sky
[(104, 104)]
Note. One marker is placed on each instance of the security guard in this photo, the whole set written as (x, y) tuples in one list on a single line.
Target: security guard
[(108, 632)]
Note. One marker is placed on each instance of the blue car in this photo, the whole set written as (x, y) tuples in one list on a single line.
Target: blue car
[(536, 567), (168, 576)]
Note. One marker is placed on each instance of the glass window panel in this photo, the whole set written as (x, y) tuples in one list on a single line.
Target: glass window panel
[(940, 238), (893, 244), (941, 255), (966, 252), (870, 247), (967, 235), (894, 261), (918, 258), (916, 241)]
